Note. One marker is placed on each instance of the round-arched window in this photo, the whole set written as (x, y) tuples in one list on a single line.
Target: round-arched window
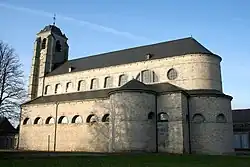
[(221, 118), (77, 119), (172, 74), (198, 118)]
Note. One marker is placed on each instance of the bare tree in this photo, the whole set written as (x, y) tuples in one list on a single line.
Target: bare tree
[(12, 91)]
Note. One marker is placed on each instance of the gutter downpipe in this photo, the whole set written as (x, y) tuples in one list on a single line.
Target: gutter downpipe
[(156, 125), (57, 103), (189, 129)]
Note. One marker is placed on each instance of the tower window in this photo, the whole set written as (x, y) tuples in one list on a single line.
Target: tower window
[(44, 43), (58, 46)]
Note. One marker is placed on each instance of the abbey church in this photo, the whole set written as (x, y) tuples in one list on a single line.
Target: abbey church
[(164, 97)]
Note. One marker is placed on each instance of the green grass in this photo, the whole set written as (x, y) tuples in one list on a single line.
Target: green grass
[(152, 160)]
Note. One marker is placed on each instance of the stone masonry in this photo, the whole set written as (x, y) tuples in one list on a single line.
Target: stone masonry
[(121, 108)]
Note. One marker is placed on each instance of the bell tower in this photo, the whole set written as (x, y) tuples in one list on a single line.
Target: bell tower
[(50, 51)]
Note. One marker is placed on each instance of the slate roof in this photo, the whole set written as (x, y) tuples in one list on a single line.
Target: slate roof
[(71, 96), (134, 84), (104, 93), (165, 87), (241, 115), (54, 29), (159, 50)]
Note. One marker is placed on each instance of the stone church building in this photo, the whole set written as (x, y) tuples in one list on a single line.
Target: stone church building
[(164, 97)]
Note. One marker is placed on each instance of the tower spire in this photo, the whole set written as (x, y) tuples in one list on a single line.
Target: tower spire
[(54, 19)]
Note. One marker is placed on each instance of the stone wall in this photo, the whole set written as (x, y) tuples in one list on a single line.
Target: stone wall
[(132, 130), (129, 128), (171, 133), (194, 71), (211, 134), (70, 136)]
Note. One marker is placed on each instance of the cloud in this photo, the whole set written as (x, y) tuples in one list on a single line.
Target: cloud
[(91, 25)]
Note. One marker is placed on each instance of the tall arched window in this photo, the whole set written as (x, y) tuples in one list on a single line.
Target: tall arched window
[(58, 88), (50, 120), (163, 117), (81, 85), (38, 120), (26, 121), (47, 89), (147, 76), (94, 83), (221, 118), (58, 46), (44, 43), (198, 118), (108, 82), (63, 120), (77, 119), (123, 79), (69, 87)]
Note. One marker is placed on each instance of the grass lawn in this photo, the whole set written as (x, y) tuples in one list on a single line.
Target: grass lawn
[(152, 160)]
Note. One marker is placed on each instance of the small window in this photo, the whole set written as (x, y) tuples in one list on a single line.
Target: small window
[(123, 79), (38, 120), (81, 85), (26, 121), (69, 86), (71, 69), (151, 116), (162, 117), (149, 56), (47, 89), (94, 83), (58, 88), (44, 43), (108, 83), (105, 118), (50, 120), (58, 46), (63, 120), (92, 119), (221, 118), (172, 74), (77, 119), (198, 118)]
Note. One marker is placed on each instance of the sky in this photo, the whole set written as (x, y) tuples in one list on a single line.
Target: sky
[(98, 26)]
